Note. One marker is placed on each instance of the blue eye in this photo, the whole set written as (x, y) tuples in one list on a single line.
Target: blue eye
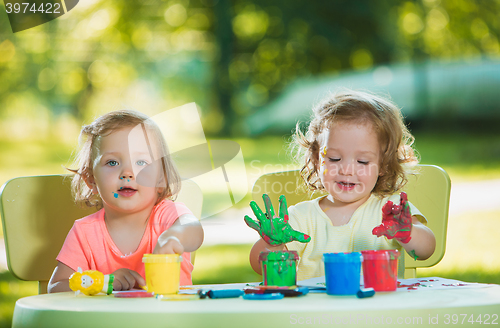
[(141, 163), (112, 163)]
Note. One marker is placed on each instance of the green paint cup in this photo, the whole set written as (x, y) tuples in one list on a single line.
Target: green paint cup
[(279, 268)]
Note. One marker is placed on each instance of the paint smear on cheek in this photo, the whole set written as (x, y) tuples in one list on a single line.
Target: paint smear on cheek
[(115, 194)]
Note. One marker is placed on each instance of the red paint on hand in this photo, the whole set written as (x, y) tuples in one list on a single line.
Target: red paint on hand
[(396, 220)]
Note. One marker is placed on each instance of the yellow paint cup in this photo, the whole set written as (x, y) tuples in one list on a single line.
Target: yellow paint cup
[(162, 272)]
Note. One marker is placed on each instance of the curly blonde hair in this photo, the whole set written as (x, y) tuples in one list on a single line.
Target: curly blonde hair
[(105, 125), (398, 158)]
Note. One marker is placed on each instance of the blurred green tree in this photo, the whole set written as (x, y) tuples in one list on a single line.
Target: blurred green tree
[(230, 57)]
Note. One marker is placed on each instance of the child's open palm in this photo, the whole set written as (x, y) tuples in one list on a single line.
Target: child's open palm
[(396, 220), (275, 230)]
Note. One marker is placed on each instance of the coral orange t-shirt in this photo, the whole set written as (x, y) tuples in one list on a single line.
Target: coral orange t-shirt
[(89, 246)]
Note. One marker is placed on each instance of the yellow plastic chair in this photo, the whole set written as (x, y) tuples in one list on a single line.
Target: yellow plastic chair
[(429, 191), (37, 214)]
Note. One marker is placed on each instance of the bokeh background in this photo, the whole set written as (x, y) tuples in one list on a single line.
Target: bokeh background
[(255, 68)]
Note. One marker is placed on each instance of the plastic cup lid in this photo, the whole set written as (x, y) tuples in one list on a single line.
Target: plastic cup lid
[(278, 256), (382, 254), (342, 257), (161, 258)]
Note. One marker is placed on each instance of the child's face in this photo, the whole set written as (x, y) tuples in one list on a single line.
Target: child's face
[(349, 161), (125, 174)]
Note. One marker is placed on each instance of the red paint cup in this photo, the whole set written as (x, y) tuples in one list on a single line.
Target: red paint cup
[(380, 269)]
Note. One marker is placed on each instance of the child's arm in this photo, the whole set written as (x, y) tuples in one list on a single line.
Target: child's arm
[(59, 281), (185, 235), (422, 243), (125, 279)]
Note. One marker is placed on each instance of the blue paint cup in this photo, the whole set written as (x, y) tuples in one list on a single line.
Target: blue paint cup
[(342, 273)]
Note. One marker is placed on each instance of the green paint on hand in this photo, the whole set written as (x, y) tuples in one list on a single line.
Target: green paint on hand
[(412, 253), (275, 230)]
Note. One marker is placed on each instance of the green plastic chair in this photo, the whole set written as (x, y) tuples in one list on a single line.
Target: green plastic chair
[(429, 191), (37, 214)]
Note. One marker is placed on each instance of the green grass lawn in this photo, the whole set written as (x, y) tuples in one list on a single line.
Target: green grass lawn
[(465, 157), (12, 289)]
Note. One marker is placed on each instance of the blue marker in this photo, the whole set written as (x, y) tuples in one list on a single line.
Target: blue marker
[(365, 292), (228, 293), (271, 296)]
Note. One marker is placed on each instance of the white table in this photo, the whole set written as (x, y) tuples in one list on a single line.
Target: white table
[(409, 308)]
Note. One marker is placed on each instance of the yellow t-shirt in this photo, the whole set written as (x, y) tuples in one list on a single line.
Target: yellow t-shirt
[(355, 236)]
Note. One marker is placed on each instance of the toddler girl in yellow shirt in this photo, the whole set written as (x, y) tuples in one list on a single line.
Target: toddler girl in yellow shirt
[(357, 149)]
